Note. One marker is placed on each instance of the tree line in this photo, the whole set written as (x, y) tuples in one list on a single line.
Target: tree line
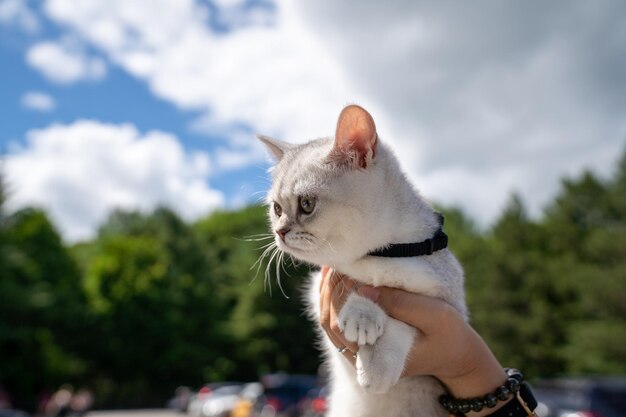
[(153, 302)]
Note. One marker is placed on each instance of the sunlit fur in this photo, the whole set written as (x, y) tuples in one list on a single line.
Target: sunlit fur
[(358, 210)]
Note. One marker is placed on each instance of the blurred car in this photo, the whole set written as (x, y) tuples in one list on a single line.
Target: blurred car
[(247, 397), (315, 403), (180, 400), (8, 412), (581, 397), (283, 395), (214, 400)]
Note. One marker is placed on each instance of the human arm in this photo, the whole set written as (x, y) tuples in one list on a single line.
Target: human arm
[(448, 347)]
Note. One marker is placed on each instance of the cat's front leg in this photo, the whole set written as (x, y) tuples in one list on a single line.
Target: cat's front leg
[(379, 366), (360, 320)]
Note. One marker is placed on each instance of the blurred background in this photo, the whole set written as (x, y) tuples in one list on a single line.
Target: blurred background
[(130, 180)]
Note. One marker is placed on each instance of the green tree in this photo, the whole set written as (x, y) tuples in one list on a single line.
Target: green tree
[(592, 261), (270, 331), (514, 305), (151, 290), (40, 302)]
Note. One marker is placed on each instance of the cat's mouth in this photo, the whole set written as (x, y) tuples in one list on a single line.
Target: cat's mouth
[(298, 243)]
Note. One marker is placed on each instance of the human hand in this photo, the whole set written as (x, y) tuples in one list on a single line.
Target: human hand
[(334, 290), (447, 346)]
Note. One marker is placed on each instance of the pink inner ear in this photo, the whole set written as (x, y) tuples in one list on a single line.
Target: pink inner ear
[(356, 133)]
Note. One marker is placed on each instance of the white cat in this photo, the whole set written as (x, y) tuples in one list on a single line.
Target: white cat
[(332, 202)]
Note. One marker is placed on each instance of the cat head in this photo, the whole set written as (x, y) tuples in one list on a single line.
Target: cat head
[(325, 195)]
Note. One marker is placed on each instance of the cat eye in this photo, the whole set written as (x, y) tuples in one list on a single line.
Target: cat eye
[(278, 210), (307, 204)]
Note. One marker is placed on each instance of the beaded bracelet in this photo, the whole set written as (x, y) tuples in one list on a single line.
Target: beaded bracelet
[(502, 393)]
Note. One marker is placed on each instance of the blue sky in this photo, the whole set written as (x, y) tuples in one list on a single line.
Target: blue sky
[(118, 98), (110, 103)]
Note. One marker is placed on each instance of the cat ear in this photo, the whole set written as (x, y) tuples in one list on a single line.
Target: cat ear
[(276, 147), (355, 138)]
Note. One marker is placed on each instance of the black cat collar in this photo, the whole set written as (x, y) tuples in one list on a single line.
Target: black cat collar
[(406, 250)]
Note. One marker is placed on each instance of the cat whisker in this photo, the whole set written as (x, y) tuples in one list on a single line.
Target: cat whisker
[(261, 192), (332, 251), (261, 200), (259, 234), (294, 262), (277, 271), (267, 245), (263, 180), (267, 248), (282, 264), (329, 244), (255, 238), (259, 261), (267, 281), (279, 263)]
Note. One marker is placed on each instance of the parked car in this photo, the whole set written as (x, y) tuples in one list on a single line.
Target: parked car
[(180, 400), (9, 412), (247, 398), (581, 397), (283, 395), (315, 403), (214, 400)]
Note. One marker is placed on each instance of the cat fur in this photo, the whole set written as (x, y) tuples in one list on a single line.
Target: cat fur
[(363, 202)]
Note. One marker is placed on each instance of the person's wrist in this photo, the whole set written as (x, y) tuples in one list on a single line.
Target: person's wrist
[(512, 398), (477, 384), (515, 397), (482, 376)]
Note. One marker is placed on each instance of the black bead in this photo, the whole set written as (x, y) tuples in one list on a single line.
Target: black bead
[(445, 401), (490, 400), (476, 404), (464, 407), (514, 373), (513, 385), (453, 407), (502, 393)]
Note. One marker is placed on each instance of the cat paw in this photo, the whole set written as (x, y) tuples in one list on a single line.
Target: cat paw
[(361, 321), (379, 366), (375, 372)]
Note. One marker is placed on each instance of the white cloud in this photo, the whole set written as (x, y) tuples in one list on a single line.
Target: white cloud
[(478, 101), (278, 79), (231, 159), (81, 171), (65, 63), (36, 100), (482, 100), (243, 150), (17, 12)]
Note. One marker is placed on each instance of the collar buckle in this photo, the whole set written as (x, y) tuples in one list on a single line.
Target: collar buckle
[(431, 247)]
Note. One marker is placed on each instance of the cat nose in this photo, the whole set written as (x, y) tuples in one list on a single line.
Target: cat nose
[(282, 232)]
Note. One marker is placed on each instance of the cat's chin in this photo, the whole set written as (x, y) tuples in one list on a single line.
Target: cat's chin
[(302, 254), (291, 250)]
